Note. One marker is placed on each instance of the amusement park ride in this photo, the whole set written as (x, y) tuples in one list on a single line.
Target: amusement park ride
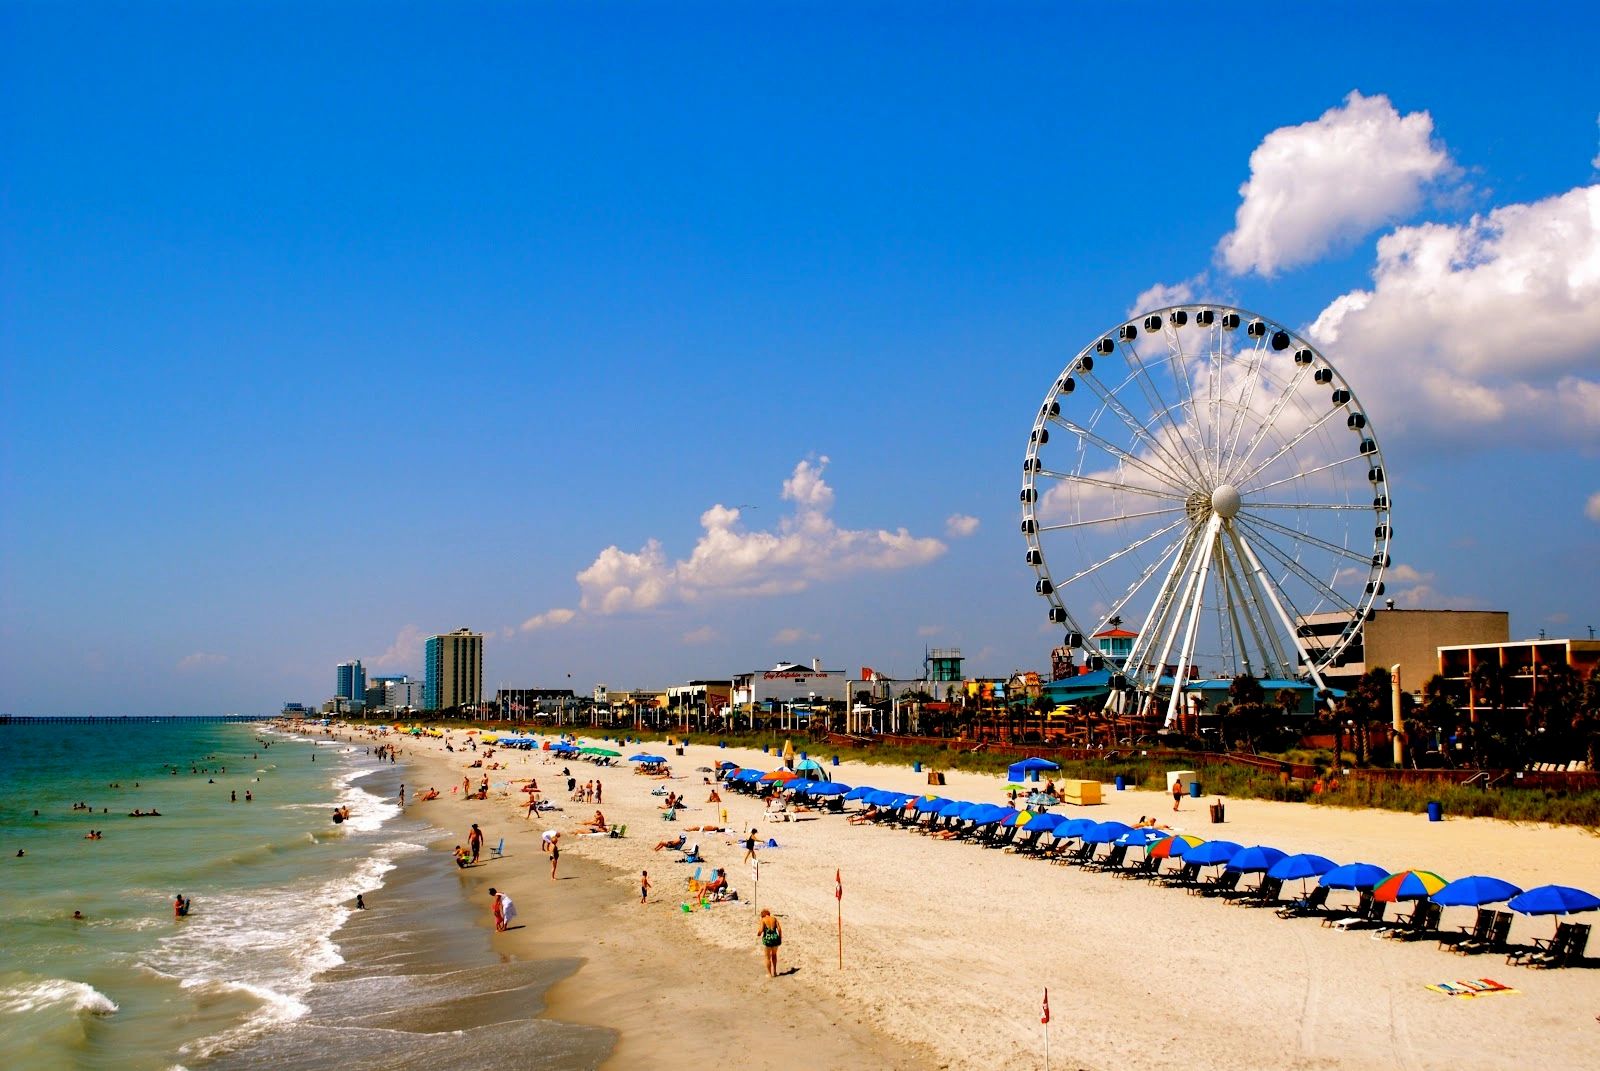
[(1206, 472)]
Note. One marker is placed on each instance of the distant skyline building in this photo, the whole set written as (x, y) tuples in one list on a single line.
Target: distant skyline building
[(352, 682), (453, 670)]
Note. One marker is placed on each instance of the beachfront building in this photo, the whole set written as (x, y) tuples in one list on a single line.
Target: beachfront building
[(517, 704), (394, 693), (453, 670), (1506, 677), (693, 704), (350, 686), (768, 690), (1410, 639), (639, 708)]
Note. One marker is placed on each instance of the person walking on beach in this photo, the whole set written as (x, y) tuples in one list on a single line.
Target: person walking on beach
[(402, 794), (475, 841), (644, 886), (750, 845), (771, 937), (555, 855), (1177, 792)]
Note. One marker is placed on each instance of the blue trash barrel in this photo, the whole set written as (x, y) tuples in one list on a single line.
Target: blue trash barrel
[(1194, 789), (722, 743), (836, 760), (763, 749), (804, 756), (916, 767), (1122, 783), (1435, 811)]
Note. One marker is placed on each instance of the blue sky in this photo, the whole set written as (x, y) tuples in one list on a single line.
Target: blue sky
[(327, 328)]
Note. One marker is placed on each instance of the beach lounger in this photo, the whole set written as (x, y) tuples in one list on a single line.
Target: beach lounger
[(1184, 877), (1076, 856), (1423, 920), (1470, 935), (1112, 860), (1265, 894), (691, 854), (1146, 868), (1221, 885), (1003, 836), (1306, 905), (1342, 918), (1560, 951), (1370, 913), (1494, 937)]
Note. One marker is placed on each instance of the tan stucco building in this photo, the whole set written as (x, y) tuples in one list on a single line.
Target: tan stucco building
[(1410, 639)]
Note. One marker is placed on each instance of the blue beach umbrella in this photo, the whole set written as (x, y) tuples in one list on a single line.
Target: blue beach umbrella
[(1105, 832), (929, 803), (799, 784), (949, 807), (1074, 827), (647, 758), (1045, 823), (1554, 900), (1255, 859), (860, 792), (1304, 865), (1354, 876), (828, 788), (1141, 838), (1212, 852), (1474, 891)]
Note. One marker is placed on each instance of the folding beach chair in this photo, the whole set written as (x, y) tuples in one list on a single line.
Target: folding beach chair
[(1307, 905), (1467, 936), (499, 850)]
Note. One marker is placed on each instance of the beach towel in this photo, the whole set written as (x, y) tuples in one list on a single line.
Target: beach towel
[(1477, 987)]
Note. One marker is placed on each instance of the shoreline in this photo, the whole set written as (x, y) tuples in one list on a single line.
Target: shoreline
[(948, 946)]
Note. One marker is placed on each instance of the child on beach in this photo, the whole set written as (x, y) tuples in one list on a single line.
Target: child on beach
[(644, 886), (1177, 792)]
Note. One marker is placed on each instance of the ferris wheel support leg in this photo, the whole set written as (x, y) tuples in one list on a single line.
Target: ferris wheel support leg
[(1197, 590), (1288, 623), (1256, 611)]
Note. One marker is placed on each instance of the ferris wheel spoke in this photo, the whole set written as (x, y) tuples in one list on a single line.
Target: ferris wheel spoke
[(1243, 603), (1112, 485), (1111, 520), (1302, 474), (1291, 564), (1241, 409), (1299, 438), (1161, 606), (1254, 505), (1306, 537), (1257, 605), (1140, 581), (1120, 454), (1139, 430), (1158, 403), (1130, 548), (1272, 593), (1290, 391)]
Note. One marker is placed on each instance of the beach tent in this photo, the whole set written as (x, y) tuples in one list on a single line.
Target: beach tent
[(1019, 771)]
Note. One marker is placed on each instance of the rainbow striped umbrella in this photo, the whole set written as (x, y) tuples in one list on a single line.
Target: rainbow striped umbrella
[(1174, 846), (1408, 885)]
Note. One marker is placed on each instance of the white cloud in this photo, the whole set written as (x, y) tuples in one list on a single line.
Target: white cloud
[(200, 660), (960, 526), (1413, 589), (807, 547), (1591, 509), (1489, 324), (549, 619), (701, 636), (404, 653), (1162, 295), (929, 630), (1330, 182), (786, 636)]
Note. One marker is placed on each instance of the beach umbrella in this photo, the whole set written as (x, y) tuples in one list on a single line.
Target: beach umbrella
[(860, 792), (1212, 852), (1142, 838), (929, 803), (798, 784), (1474, 891), (779, 775), (646, 758), (1023, 818), (1046, 823), (1175, 846), (1408, 885), (1554, 900), (1074, 827), (1256, 859), (949, 807), (829, 788), (1353, 876), (1105, 832), (1304, 865), (727, 765)]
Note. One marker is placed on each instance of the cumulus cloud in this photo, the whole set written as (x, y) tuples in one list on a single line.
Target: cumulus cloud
[(701, 636), (1591, 509), (1413, 589), (404, 653), (960, 526), (1330, 182), (786, 636), (1162, 295), (925, 631), (549, 619), (200, 660), (728, 560), (1489, 324)]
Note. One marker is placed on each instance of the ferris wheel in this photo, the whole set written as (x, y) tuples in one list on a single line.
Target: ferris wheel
[(1207, 472)]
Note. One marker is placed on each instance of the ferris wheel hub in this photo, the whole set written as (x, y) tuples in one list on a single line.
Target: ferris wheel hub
[(1225, 501)]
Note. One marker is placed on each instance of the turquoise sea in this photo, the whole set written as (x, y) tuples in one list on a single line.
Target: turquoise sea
[(274, 966)]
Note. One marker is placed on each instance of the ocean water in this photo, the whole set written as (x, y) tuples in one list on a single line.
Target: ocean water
[(274, 967)]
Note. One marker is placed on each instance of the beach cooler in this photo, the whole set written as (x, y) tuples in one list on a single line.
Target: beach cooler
[(1083, 793)]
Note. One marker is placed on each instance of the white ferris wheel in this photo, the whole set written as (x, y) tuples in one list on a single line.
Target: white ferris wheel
[(1207, 472)]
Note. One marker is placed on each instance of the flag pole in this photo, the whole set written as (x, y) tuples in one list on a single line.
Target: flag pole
[(838, 902), (1044, 1019)]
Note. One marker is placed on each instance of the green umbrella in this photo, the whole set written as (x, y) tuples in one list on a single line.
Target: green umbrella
[(598, 751)]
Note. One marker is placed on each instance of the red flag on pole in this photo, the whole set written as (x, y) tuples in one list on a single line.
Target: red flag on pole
[(1045, 1017), (838, 886)]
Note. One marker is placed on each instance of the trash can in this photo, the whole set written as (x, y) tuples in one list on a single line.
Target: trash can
[(722, 743), (916, 767), (1216, 812), (1194, 788), (1033, 775), (1435, 811), (836, 760), (679, 750), (1122, 783)]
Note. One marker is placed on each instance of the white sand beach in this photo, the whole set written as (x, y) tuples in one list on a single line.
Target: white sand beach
[(948, 946)]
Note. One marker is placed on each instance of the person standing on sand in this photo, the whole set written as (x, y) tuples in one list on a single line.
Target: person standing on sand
[(771, 937), (555, 855), (402, 794), (599, 792), (644, 886), (475, 841), (750, 845), (1177, 792), (498, 907)]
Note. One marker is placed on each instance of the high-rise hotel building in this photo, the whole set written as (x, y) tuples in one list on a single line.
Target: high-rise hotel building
[(352, 683), (453, 670)]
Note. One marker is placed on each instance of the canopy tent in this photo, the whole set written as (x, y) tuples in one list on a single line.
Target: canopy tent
[(1019, 771)]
